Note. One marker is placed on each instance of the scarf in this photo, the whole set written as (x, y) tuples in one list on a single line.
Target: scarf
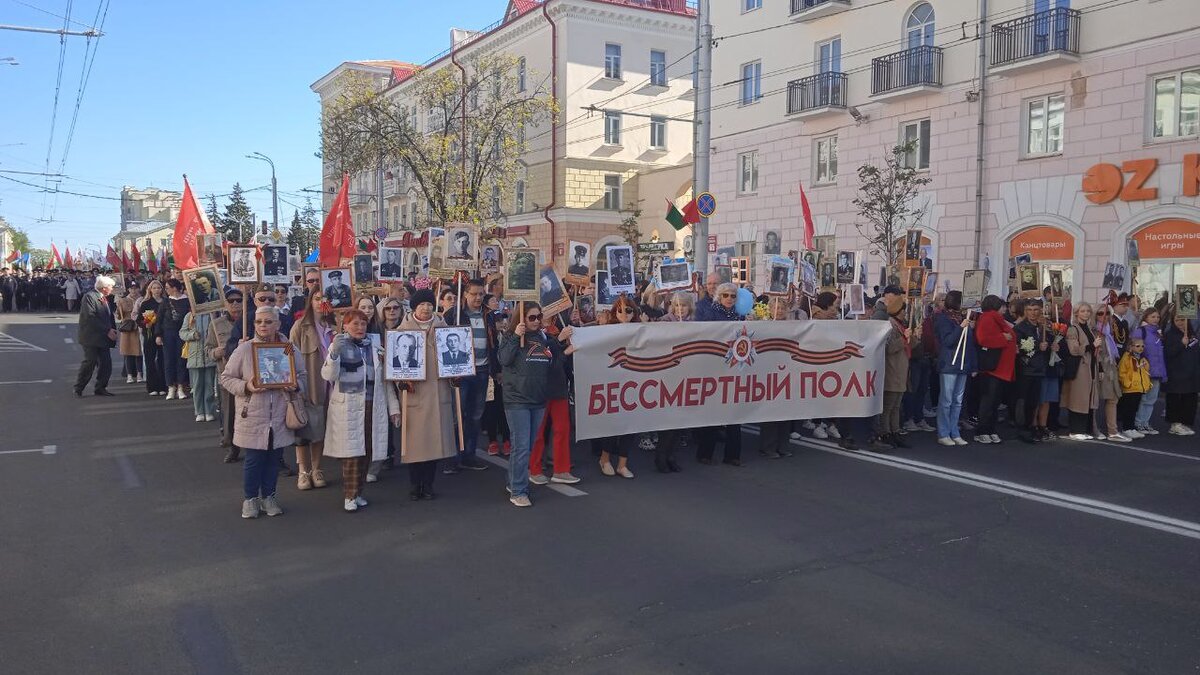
[(1089, 346), (1110, 344), (899, 328), (954, 315)]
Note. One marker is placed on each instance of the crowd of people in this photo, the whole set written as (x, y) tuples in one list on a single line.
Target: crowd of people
[(42, 290), (1105, 367)]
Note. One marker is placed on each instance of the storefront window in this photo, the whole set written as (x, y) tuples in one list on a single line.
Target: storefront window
[(1154, 279)]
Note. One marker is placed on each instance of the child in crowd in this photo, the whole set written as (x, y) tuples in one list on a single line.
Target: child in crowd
[(1135, 381)]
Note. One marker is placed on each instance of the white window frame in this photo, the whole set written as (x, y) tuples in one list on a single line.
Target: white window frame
[(1176, 108), (658, 68), (747, 168), (658, 133), (922, 144), (612, 61), (612, 128), (751, 5), (827, 174), (521, 74), (1027, 126), (519, 190), (751, 83), (612, 192)]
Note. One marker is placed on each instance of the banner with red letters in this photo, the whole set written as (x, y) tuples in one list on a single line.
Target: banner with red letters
[(651, 377)]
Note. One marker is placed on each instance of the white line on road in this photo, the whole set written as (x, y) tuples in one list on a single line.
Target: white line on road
[(9, 343), (129, 477), (1127, 446), (28, 382), (68, 340), (1103, 509), (561, 489), (45, 450)]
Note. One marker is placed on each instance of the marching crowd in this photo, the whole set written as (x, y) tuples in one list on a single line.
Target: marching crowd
[(1107, 366)]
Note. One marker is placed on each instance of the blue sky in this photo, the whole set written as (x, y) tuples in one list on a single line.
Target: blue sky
[(188, 87)]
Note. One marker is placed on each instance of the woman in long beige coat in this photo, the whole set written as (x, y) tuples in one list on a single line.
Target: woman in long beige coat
[(1080, 396), (428, 436), (312, 335), (129, 342), (360, 404)]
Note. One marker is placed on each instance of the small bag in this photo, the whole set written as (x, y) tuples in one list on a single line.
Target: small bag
[(127, 326), (296, 415)]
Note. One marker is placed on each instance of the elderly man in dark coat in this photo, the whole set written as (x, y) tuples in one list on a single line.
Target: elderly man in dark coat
[(97, 335)]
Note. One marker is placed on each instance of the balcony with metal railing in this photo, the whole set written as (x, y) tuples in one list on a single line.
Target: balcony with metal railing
[(1036, 39), (816, 95), (907, 73), (809, 10)]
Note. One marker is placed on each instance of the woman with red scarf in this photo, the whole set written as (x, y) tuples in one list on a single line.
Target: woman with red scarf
[(997, 365)]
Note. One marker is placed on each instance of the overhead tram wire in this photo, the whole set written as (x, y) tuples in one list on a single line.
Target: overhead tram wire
[(62, 55)]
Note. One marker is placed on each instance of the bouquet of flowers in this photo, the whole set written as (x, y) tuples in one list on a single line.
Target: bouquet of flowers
[(149, 317), (1027, 346), (760, 312)]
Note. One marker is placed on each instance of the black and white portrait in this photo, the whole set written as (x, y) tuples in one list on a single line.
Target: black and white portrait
[(916, 281), (455, 352), (579, 265), (620, 269), (586, 306), (772, 244), (857, 304), (209, 250), (674, 276), (1185, 300), (551, 295), (521, 275), (724, 273), (808, 278), (462, 244), (335, 285), (1114, 276), (364, 269), (1056, 283), (391, 264), (204, 289), (828, 275), (912, 248), (404, 358), (1132, 252), (974, 288), (489, 262), (1029, 280), (847, 267), (275, 265), (604, 294), (243, 265)]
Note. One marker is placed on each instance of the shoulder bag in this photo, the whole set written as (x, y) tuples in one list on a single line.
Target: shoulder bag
[(296, 415)]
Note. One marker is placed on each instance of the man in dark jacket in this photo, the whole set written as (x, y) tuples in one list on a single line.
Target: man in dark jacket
[(722, 309), (1033, 358), (472, 388), (97, 335)]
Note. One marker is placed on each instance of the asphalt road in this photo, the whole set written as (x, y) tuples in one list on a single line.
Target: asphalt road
[(122, 551)]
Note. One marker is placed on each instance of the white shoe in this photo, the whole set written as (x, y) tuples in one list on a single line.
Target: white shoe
[(1101, 437), (997, 439), (350, 505), (959, 440), (520, 500), (1133, 433), (946, 440), (985, 439), (911, 426), (1119, 438), (170, 393), (128, 379), (538, 479), (156, 393), (181, 394), (808, 424), (624, 472), (199, 418), (141, 378), (820, 432), (1188, 431), (210, 418), (371, 478), (833, 432), (606, 468), (926, 426), (1148, 430), (360, 502), (1080, 437), (795, 436), (1177, 429)]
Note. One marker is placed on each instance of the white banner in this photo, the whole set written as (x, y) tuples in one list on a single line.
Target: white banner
[(651, 377)]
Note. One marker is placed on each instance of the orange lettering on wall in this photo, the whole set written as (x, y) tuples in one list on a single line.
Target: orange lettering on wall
[(1141, 169), (1191, 175), (1102, 183)]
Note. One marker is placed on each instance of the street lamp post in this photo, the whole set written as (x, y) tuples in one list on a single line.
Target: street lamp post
[(274, 188)]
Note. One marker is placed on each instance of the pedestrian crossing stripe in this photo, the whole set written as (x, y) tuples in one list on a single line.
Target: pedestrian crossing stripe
[(9, 343)]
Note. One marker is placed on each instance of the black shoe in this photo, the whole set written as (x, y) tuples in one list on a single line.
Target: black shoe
[(898, 442), (704, 460), (878, 444), (474, 465), (78, 393), (733, 462), (284, 469), (232, 455), (450, 468), (661, 465), (415, 494), (103, 392), (770, 455), (426, 493), (673, 466), (847, 443)]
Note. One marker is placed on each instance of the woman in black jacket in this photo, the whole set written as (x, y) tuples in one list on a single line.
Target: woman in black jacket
[(147, 317), (1182, 354), (171, 314)]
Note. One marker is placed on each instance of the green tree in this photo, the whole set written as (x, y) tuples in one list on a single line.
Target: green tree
[(20, 240), (38, 257), (631, 233), (214, 216), (311, 221), (885, 201), (237, 222)]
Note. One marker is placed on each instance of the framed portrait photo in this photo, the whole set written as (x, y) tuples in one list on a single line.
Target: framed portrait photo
[(364, 270), (915, 281), (931, 282), (293, 264), (391, 264), (772, 243), (1056, 283), (974, 287), (620, 270), (552, 296), (204, 289), (274, 365), (210, 250), (585, 304), (857, 300), (674, 276), (455, 351), (782, 272), (724, 274), (489, 260), (808, 278), (1186, 301), (435, 254), (462, 247), (404, 356), (1029, 277), (336, 287), (604, 294), (847, 267), (521, 275), (275, 265), (243, 265), (579, 263)]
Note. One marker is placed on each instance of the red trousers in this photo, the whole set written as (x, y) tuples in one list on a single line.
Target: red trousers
[(558, 416)]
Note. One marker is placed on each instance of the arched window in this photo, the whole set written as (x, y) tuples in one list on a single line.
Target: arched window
[(919, 27)]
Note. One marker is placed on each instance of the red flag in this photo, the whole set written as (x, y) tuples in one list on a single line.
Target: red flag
[(137, 257), (151, 259), (192, 223), (691, 213), (124, 260), (337, 234), (13, 256), (809, 230), (55, 259), (113, 259), (67, 261)]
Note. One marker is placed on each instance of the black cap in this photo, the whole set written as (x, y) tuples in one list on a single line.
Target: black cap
[(335, 273), (892, 290)]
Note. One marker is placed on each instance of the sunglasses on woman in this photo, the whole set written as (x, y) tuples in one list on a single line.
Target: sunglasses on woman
[(534, 317), (627, 310)]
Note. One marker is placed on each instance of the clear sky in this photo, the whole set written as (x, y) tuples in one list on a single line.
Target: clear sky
[(188, 87)]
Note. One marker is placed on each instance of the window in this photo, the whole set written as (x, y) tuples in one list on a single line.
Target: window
[(520, 134), (751, 5), (1176, 105), (612, 61), (658, 68), (519, 198), (496, 148), (402, 218), (751, 82), (416, 220), (475, 94), (826, 155), (612, 192), (612, 128), (495, 201), (521, 74), (658, 133), (916, 133), (919, 27), (748, 172), (829, 56), (1044, 125)]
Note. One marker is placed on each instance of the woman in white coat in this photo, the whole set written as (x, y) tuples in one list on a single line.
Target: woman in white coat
[(360, 404)]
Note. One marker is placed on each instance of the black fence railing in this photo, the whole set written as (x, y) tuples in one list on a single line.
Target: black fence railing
[(802, 5), (1054, 30), (909, 68), (823, 90)]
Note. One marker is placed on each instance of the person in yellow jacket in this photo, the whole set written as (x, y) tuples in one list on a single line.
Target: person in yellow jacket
[(1134, 371)]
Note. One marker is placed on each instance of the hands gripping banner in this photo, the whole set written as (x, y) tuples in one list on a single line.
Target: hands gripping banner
[(650, 377)]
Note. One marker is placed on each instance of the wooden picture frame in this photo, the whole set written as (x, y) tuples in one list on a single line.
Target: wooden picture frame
[(404, 356), (521, 275), (1186, 296), (243, 265), (579, 263), (204, 300), (210, 249), (454, 351), (914, 281), (274, 365), (275, 271), (1029, 280), (340, 295), (552, 294)]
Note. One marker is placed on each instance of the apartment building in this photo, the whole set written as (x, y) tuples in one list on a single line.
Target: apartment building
[(140, 205), (1090, 125), (629, 59)]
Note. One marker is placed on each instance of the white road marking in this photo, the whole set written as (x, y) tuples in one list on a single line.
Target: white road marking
[(1060, 499), (45, 450), (68, 340), (565, 490), (9, 343), (129, 477), (28, 382), (1129, 446)]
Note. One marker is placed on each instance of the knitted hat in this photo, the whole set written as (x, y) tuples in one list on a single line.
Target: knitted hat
[(422, 296)]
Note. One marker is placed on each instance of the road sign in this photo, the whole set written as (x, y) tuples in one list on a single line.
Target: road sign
[(712, 243), (381, 233), (706, 204), (656, 247)]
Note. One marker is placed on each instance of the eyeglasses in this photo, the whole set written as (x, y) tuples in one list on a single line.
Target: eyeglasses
[(265, 298), (1099, 314), (312, 281), (627, 310), (534, 317), (728, 295)]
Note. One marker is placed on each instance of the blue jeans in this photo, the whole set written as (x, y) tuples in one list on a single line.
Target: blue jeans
[(523, 424), (918, 390), (260, 472), (174, 365), (474, 392), (204, 390), (950, 404), (1146, 408)]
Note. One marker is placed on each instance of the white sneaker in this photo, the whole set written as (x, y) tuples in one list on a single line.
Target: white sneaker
[(820, 432), (1080, 437), (520, 500), (371, 478), (360, 502), (833, 432), (210, 418), (1148, 430), (250, 508), (997, 439), (199, 418), (1188, 431), (156, 393), (1101, 437), (985, 439), (624, 472), (926, 426), (795, 436), (1119, 438), (128, 379), (141, 378), (808, 424), (538, 479), (350, 505), (181, 394), (271, 506), (170, 393), (1133, 433), (1177, 429), (911, 426), (946, 440), (959, 440)]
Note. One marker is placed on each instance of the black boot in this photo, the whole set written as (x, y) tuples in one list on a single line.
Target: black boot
[(232, 455), (660, 463), (898, 441)]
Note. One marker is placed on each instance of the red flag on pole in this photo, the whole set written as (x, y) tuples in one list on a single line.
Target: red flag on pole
[(67, 261), (113, 259), (125, 267), (151, 259), (809, 230), (13, 256), (137, 257), (337, 234), (55, 258), (192, 223), (691, 213)]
